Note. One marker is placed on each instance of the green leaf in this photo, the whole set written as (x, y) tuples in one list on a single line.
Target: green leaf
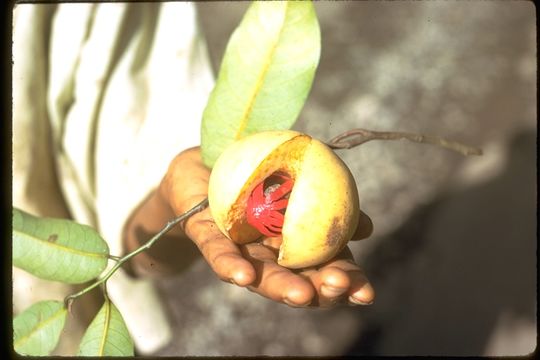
[(107, 335), (265, 75), (37, 329), (57, 249)]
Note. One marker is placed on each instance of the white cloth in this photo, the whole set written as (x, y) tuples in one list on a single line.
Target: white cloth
[(104, 96)]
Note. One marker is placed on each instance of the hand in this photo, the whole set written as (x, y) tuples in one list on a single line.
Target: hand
[(339, 280), (254, 265)]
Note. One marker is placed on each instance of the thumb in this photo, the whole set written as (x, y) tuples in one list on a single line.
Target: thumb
[(364, 228)]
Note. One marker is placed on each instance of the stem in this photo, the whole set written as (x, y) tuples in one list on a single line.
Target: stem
[(120, 261), (355, 137), (113, 257)]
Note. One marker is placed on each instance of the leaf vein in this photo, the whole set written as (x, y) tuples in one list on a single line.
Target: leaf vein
[(105, 327), (61, 247), (38, 327), (260, 80)]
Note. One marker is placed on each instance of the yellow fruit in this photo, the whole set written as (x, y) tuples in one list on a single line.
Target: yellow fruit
[(323, 205)]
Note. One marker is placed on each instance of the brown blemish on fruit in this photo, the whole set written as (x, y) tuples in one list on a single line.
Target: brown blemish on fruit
[(334, 233)]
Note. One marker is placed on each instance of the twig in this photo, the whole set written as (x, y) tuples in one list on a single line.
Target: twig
[(355, 137), (113, 257), (120, 261)]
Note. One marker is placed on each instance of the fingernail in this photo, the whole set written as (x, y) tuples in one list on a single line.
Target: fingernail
[(363, 296), (355, 301), (293, 304), (330, 291)]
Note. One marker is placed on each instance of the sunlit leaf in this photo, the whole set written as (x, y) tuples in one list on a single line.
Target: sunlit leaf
[(107, 335), (265, 76), (36, 330), (57, 249)]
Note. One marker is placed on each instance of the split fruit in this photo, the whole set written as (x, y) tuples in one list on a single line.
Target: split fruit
[(287, 185)]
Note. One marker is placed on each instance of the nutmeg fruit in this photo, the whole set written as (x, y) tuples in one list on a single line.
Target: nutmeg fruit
[(285, 184)]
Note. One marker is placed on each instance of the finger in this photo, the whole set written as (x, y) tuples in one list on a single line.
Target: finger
[(220, 252), (364, 228), (341, 279), (272, 242), (276, 282), (361, 292), (331, 284), (331, 279)]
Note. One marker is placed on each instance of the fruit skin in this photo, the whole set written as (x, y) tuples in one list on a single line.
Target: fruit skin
[(323, 208)]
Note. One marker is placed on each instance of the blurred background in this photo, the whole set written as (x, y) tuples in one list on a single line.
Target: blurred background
[(453, 255)]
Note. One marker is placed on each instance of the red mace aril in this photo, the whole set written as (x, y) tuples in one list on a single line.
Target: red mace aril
[(267, 204)]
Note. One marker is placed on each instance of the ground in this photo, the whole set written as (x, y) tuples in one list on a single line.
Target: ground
[(453, 255)]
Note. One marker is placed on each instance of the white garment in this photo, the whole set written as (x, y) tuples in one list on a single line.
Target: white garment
[(104, 96)]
